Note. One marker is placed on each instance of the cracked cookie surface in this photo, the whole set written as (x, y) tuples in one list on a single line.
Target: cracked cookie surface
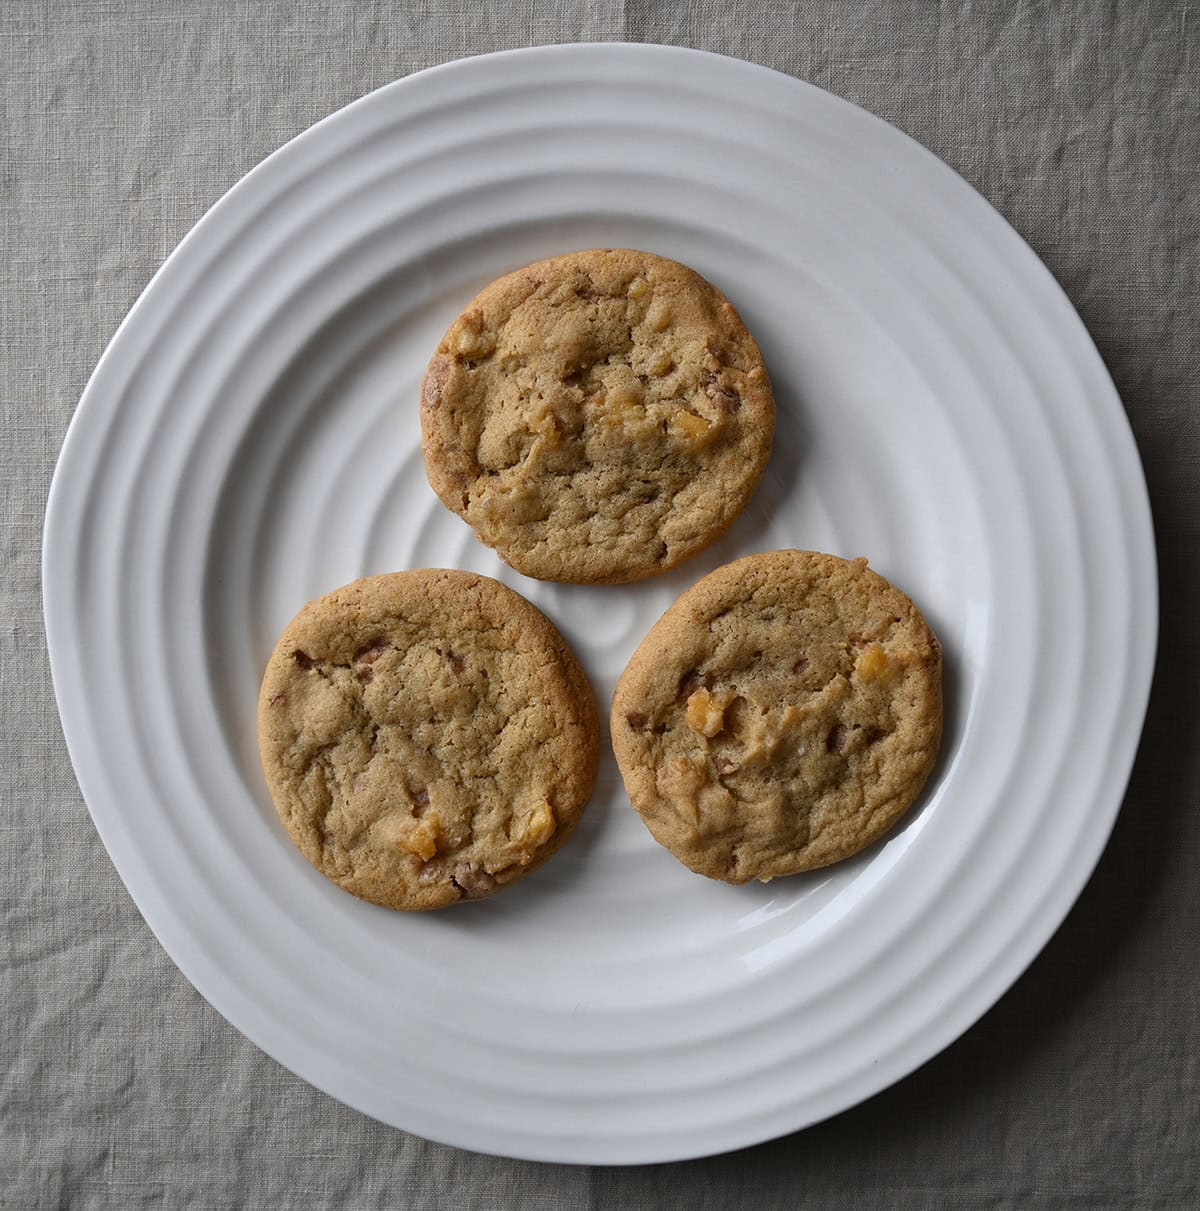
[(597, 417), (428, 737), (781, 715)]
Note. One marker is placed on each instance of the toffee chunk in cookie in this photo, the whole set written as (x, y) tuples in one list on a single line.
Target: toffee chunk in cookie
[(428, 737), (783, 714), (598, 417)]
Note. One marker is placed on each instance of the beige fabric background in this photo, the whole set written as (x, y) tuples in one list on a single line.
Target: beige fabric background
[(120, 124)]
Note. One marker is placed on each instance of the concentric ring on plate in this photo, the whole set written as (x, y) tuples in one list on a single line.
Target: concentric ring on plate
[(243, 447)]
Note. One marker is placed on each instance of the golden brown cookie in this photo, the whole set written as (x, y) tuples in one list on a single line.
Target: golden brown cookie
[(427, 736), (780, 716), (597, 417)]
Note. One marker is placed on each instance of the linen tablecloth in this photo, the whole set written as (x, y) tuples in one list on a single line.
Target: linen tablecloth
[(121, 124)]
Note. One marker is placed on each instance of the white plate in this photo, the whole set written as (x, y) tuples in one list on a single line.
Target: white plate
[(249, 441)]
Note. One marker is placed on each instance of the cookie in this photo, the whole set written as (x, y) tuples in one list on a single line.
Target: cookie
[(427, 737), (598, 417), (781, 715)]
